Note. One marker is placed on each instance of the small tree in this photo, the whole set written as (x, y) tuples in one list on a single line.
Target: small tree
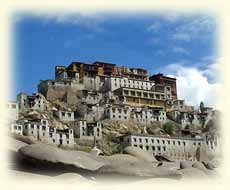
[(168, 128), (202, 107)]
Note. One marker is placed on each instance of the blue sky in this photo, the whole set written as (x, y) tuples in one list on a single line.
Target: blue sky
[(166, 43)]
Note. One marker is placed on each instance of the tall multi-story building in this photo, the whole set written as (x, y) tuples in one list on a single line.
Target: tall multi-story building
[(157, 97), (164, 80)]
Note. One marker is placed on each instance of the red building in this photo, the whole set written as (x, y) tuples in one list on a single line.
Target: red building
[(164, 80)]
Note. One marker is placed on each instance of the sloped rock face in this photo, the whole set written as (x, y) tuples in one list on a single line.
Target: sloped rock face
[(122, 164), (48, 153), (140, 169), (135, 163)]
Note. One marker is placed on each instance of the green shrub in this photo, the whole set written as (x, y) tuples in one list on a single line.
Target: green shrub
[(168, 128)]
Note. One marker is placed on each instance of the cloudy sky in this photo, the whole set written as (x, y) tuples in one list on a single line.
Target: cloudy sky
[(179, 45)]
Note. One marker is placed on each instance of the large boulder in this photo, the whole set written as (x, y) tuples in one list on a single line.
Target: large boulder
[(202, 155), (170, 165), (139, 153), (184, 164), (193, 173), (15, 145), (199, 165), (140, 169), (51, 154)]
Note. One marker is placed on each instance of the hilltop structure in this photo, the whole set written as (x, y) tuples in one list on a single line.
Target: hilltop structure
[(73, 107)]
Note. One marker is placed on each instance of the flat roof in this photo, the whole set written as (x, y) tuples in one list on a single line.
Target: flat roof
[(166, 137)]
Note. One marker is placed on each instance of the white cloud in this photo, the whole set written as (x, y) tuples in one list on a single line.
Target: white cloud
[(198, 27), (154, 27), (193, 85), (89, 21), (182, 37), (180, 50)]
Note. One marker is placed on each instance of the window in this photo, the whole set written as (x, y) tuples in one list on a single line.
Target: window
[(67, 136), (152, 140), (146, 140), (60, 135), (51, 135), (135, 145), (159, 148), (174, 143), (125, 117), (184, 143), (135, 140), (194, 144), (147, 147), (141, 146), (67, 142), (178, 142), (63, 114), (53, 140), (153, 148), (43, 128), (15, 127), (32, 126), (13, 106), (158, 141), (163, 141), (43, 134), (69, 114), (168, 142), (140, 140), (164, 148)]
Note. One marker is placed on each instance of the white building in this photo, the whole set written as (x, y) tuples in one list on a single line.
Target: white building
[(179, 105), (94, 112), (117, 112), (35, 102), (65, 115), (136, 114), (189, 118), (112, 83), (16, 128), (145, 115), (40, 130), (174, 148), (12, 111), (91, 97), (88, 130)]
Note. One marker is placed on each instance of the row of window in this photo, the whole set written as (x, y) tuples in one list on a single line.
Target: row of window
[(12, 106), (153, 148), (17, 127), (68, 114), (164, 141), (120, 117), (133, 82), (145, 95), (38, 127)]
